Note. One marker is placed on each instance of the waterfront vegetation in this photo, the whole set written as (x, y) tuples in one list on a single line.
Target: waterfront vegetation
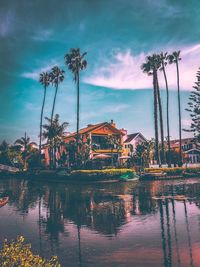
[(17, 253), (104, 174)]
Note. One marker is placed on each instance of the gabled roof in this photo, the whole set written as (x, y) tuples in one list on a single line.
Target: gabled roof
[(93, 127), (133, 136), (193, 149)]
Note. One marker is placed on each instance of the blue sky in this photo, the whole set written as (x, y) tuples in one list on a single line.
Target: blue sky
[(117, 34)]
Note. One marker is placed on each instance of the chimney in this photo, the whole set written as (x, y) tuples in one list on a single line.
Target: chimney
[(113, 123)]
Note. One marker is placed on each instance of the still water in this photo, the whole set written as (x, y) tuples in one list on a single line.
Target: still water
[(106, 224)]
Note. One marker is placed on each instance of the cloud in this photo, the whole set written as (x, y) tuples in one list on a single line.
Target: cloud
[(34, 75), (124, 71), (109, 109), (31, 107), (6, 23), (43, 35)]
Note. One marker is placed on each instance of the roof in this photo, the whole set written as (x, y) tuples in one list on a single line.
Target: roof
[(133, 136), (184, 140), (193, 149), (92, 127)]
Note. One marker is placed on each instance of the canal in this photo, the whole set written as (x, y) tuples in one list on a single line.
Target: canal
[(110, 224)]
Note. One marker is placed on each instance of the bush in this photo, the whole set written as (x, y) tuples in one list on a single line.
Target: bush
[(102, 174), (173, 171), (18, 254)]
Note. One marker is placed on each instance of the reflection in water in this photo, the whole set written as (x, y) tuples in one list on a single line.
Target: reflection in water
[(163, 234), (78, 219), (188, 235), (168, 234), (175, 233)]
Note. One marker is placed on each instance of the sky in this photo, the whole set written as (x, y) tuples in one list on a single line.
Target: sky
[(117, 36)]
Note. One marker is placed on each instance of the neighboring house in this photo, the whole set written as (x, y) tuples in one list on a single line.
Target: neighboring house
[(131, 141), (191, 150)]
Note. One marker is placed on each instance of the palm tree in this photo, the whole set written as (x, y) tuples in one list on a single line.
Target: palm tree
[(56, 77), (44, 80), (163, 58), (149, 67), (54, 132), (75, 62), (174, 58), (26, 147), (161, 124)]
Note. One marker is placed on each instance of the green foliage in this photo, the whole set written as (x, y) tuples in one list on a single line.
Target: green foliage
[(18, 254), (54, 133), (143, 153), (75, 62), (194, 108), (101, 174), (173, 171)]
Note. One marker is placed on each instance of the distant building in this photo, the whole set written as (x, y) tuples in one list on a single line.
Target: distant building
[(191, 150)]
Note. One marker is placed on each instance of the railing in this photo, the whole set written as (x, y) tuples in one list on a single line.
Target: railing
[(8, 168)]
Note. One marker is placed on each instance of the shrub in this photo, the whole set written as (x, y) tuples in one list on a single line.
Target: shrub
[(18, 254), (173, 171), (102, 174)]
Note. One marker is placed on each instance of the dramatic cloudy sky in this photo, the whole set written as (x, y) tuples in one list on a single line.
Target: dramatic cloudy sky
[(117, 34)]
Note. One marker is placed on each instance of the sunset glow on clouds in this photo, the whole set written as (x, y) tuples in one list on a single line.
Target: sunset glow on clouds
[(124, 72)]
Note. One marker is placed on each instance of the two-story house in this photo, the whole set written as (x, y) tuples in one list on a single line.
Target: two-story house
[(99, 135)]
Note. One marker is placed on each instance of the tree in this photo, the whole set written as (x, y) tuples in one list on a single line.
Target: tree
[(164, 61), (150, 67), (142, 155), (4, 153), (174, 58), (44, 80), (114, 142), (54, 133), (26, 147), (194, 109), (75, 62), (56, 77)]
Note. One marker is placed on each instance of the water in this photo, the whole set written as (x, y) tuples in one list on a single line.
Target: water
[(106, 224)]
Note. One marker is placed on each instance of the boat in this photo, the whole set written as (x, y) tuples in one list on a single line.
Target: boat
[(3, 201), (128, 177)]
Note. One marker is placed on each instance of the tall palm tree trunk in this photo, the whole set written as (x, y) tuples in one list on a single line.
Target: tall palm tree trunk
[(54, 102), (179, 114), (41, 118), (168, 131), (52, 113), (156, 119), (77, 119), (161, 123)]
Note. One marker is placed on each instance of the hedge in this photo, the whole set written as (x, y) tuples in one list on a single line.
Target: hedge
[(173, 171), (102, 174)]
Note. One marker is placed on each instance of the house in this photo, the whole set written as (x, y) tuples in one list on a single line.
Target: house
[(98, 134), (191, 150), (131, 141)]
